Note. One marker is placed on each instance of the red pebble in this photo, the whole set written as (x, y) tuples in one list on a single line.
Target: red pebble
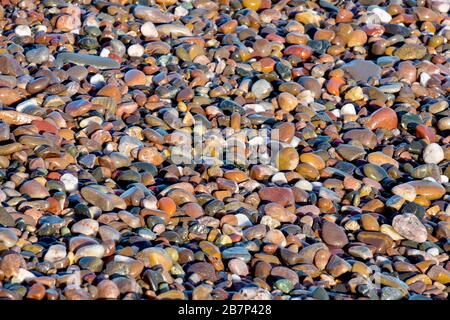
[(424, 132), (301, 51), (53, 176), (383, 118), (275, 37), (44, 126)]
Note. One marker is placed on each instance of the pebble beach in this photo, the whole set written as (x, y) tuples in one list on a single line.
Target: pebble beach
[(224, 150)]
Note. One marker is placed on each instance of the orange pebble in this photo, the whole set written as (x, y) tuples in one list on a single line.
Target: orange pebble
[(334, 84), (167, 205), (301, 51), (344, 15)]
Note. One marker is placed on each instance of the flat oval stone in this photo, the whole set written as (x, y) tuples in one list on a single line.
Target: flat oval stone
[(10, 148), (10, 66), (439, 274), (383, 118), (55, 252), (155, 256), (380, 240), (374, 172), (362, 70), (85, 59), (108, 289), (7, 237), (411, 52), (109, 233), (204, 270), (87, 227), (287, 159), (153, 15), (92, 250), (380, 158), (261, 89), (34, 190), (361, 252), (105, 201), (391, 281), (366, 137), (11, 264), (334, 235), (337, 266), (406, 191), (349, 152), (283, 196), (313, 159), (287, 101), (236, 253), (38, 85), (307, 254), (135, 77), (394, 29), (433, 153), (17, 118), (428, 189), (6, 218), (410, 227), (285, 273), (78, 108), (238, 267), (180, 196)]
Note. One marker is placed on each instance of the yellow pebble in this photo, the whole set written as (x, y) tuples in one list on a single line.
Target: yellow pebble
[(252, 4)]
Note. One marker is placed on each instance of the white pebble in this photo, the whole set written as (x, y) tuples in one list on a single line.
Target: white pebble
[(109, 148), (270, 222), (120, 258), (294, 142), (24, 275), (336, 112), (105, 53), (148, 29), (254, 107), (180, 11), (424, 78), (23, 31), (441, 5), (316, 185), (195, 278), (243, 220), (27, 103), (253, 293), (279, 178), (433, 251), (383, 15), (306, 97), (97, 80), (55, 252), (348, 109), (304, 185), (235, 278), (444, 179), (70, 182), (433, 153), (135, 50)]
